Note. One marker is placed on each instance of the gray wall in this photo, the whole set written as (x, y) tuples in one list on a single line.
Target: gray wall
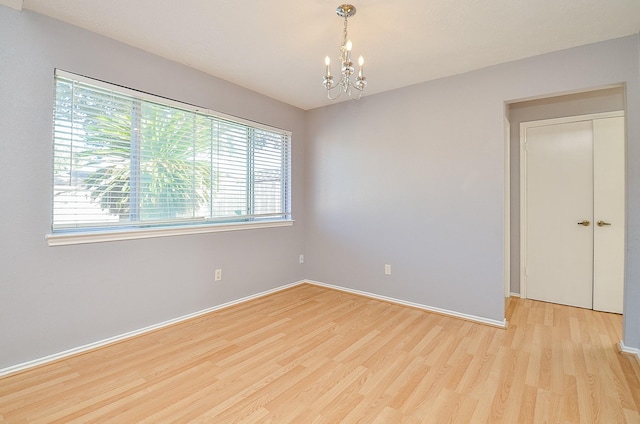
[(57, 298), (403, 178), (415, 178), (596, 101)]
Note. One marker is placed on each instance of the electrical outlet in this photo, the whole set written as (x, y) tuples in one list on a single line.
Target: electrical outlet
[(387, 269), (218, 275), (301, 259)]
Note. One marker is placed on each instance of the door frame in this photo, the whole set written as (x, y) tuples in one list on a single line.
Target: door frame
[(523, 179), (506, 257)]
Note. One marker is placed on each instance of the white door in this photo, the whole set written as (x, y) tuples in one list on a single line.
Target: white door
[(608, 214), (573, 178), (559, 240)]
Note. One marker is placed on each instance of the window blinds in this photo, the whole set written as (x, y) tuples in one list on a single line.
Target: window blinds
[(122, 158)]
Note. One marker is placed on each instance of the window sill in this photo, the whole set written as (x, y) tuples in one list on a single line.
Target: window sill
[(64, 239)]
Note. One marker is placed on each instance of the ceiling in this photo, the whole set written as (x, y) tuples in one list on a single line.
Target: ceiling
[(277, 47)]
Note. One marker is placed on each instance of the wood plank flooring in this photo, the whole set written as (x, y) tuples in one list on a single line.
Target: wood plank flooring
[(314, 355)]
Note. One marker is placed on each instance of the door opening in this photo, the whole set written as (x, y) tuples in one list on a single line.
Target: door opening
[(572, 211)]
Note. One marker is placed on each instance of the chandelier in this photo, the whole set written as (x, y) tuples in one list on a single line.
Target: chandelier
[(346, 84)]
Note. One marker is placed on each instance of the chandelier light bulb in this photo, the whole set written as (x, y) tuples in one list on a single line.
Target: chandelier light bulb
[(348, 48), (327, 60), (361, 61)]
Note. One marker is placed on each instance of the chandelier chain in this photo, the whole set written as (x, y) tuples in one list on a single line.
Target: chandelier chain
[(343, 47)]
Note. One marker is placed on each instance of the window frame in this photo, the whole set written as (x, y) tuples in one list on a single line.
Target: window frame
[(136, 230)]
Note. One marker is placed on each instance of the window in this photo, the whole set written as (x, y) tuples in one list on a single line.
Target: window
[(129, 161)]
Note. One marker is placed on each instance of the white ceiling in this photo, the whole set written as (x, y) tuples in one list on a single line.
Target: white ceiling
[(277, 47)]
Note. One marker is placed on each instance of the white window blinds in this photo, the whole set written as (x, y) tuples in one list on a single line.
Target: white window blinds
[(122, 158)]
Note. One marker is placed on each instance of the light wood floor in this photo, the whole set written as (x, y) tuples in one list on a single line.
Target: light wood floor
[(315, 355)]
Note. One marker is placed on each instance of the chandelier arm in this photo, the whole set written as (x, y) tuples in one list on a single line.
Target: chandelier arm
[(359, 94), (339, 87)]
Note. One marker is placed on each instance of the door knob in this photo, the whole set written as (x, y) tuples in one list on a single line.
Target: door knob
[(586, 223), (601, 223)]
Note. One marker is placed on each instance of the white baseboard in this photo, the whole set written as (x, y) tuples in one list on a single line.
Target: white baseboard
[(60, 355), (512, 294), (474, 318), (101, 343), (629, 350)]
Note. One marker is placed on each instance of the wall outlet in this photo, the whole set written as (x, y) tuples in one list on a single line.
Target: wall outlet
[(387, 269), (301, 259), (218, 275)]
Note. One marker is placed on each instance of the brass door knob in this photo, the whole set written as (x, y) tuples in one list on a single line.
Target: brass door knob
[(601, 223), (586, 223)]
